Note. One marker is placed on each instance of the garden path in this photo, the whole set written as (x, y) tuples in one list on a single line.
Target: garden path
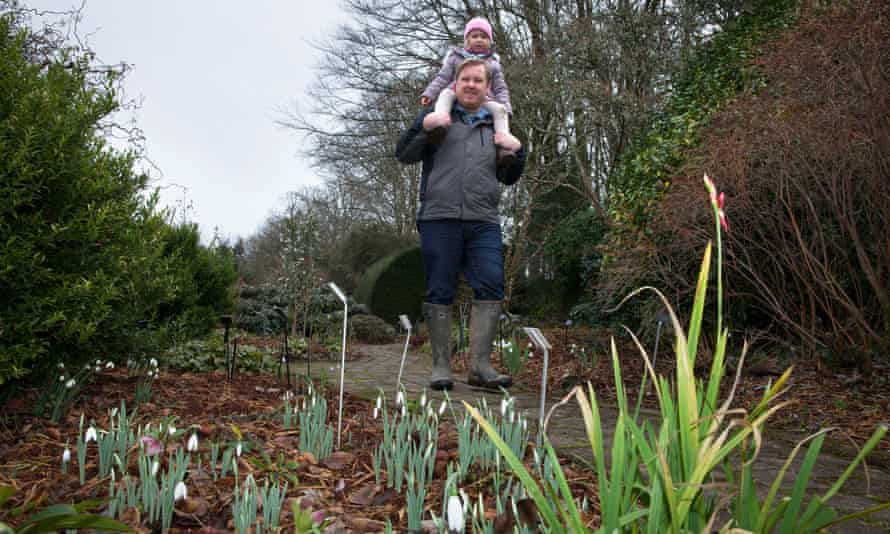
[(380, 368)]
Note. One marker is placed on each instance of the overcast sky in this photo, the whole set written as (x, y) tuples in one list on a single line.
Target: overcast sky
[(212, 75)]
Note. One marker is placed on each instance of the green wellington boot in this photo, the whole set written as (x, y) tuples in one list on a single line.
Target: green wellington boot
[(483, 327), (438, 322)]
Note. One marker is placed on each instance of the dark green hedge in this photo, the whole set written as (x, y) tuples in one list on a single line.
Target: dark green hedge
[(394, 285)]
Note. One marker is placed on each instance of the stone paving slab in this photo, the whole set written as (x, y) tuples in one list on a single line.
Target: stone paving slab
[(379, 368)]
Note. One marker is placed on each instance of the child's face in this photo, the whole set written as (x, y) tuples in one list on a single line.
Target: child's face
[(478, 40)]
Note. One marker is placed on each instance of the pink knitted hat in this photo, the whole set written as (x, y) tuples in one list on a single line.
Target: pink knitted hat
[(478, 23)]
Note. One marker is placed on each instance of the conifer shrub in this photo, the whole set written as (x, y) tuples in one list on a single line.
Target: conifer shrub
[(394, 285)]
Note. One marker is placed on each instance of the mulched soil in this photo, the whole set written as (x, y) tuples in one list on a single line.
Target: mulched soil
[(342, 485)]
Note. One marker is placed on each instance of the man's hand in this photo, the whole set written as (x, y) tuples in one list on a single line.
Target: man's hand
[(503, 139), (425, 101), (436, 120)]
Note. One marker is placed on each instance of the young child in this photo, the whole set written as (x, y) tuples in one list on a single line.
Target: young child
[(477, 43)]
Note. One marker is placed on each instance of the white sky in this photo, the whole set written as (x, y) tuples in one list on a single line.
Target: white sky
[(212, 75)]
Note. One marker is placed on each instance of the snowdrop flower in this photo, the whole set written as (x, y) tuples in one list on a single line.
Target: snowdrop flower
[(180, 491), (155, 466), (98, 362), (283, 359), (524, 425), (512, 414), (423, 399), (400, 398), (192, 445), (379, 404), (376, 412), (403, 410), (90, 434), (98, 369), (442, 407), (238, 449), (61, 378), (70, 383), (60, 365), (171, 430), (153, 362), (503, 407), (66, 455), (455, 514), (109, 365)]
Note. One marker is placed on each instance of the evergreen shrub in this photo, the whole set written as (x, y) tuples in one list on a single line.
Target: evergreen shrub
[(394, 285)]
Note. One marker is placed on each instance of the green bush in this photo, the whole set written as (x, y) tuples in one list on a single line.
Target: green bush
[(76, 257), (394, 286), (371, 329), (85, 254)]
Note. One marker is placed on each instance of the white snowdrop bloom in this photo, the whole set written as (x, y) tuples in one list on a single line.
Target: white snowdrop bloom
[(155, 466), (379, 404), (400, 398), (66, 455), (503, 407), (153, 362), (98, 362), (60, 365), (171, 430), (455, 514), (180, 491), (423, 399), (512, 416), (403, 410), (113, 411), (238, 449), (109, 365), (98, 368), (376, 412), (90, 434), (524, 425), (192, 444), (283, 359), (442, 407), (429, 411), (113, 476), (61, 378)]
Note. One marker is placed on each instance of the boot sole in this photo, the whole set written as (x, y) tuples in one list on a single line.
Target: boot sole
[(489, 385), (440, 385)]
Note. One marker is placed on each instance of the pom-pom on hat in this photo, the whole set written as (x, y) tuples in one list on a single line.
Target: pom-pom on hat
[(478, 23)]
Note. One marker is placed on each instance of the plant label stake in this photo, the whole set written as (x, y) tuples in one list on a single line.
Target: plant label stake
[(542, 344), (230, 353), (406, 324), (285, 359), (337, 291), (660, 318)]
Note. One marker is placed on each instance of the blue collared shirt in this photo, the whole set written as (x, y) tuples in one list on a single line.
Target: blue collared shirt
[(471, 118)]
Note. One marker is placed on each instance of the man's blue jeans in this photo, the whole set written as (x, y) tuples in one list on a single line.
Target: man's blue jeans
[(450, 246)]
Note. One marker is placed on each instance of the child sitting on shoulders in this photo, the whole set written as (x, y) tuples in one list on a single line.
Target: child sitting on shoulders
[(478, 44)]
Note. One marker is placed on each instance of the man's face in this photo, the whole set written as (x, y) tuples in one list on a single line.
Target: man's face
[(472, 86)]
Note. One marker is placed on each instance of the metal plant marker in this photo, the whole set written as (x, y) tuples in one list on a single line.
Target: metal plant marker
[(542, 344), (337, 291), (230, 351), (661, 318), (406, 324)]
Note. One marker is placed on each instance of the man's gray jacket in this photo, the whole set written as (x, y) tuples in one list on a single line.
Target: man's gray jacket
[(459, 177)]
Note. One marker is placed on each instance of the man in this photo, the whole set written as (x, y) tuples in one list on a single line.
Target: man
[(459, 223)]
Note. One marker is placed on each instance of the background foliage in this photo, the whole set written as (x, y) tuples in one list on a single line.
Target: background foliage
[(84, 253)]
